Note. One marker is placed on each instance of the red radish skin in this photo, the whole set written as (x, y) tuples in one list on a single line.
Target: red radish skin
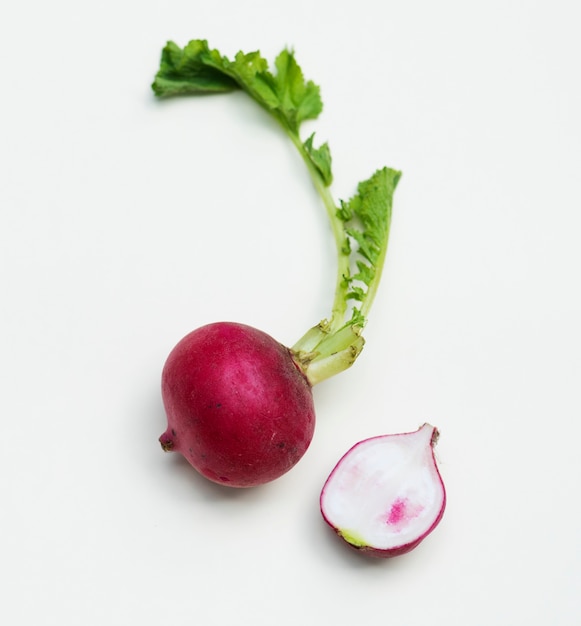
[(239, 408)]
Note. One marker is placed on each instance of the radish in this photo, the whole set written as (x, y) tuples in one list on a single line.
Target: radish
[(239, 404), (239, 409), (386, 495)]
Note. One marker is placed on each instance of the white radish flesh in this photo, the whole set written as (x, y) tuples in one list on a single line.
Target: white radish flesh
[(386, 494)]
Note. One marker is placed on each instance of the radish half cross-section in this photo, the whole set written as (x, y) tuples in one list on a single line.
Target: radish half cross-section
[(386, 494)]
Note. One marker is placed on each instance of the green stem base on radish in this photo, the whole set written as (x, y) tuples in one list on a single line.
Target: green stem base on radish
[(360, 226)]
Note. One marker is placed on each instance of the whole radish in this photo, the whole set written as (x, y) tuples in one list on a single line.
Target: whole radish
[(238, 406)]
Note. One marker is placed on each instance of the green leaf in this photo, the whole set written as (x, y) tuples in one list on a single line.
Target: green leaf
[(368, 218), (365, 274), (198, 69), (357, 319), (344, 212), (356, 293), (299, 100), (321, 159), (366, 247), (251, 72), (195, 69)]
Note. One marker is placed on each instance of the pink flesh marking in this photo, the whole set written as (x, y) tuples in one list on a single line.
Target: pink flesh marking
[(397, 512)]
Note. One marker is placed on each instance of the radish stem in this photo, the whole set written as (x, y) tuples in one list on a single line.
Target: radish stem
[(360, 226)]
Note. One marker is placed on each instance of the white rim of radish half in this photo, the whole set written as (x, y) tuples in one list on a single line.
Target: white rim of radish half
[(386, 492)]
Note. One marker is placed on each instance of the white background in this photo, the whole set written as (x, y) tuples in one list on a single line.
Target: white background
[(125, 223)]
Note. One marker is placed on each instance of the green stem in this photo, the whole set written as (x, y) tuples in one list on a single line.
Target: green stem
[(331, 346), (339, 304)]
